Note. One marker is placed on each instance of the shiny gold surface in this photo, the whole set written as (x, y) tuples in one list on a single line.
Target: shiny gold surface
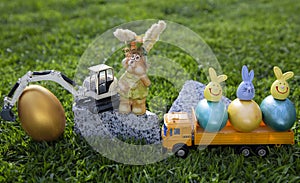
[(244, 115), (41, 114)]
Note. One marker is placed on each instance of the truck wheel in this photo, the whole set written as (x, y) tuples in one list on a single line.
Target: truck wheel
[(181, 150), (261, 151), (245, 151)]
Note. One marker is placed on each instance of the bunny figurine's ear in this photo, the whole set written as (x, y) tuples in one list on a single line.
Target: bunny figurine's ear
[(251, 75), (152, 35), (288, 75), (245, 74), (124, 35), (212, 74), (277, 72)]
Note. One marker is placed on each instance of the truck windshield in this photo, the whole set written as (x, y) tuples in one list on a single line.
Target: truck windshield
[(165, 129)]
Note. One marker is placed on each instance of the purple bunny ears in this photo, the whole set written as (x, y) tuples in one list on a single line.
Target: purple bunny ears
[(246, 75), (246, 90)]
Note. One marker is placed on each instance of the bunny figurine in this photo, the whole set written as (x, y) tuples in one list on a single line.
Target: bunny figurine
[(134, 83), (213, 91), (244, 113), (278, 111), (211, 113), (280, 88), (246, 90)]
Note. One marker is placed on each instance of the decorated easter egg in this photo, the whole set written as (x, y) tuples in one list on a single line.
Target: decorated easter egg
[(211, 116), (280, 88), (280, 115), (244, 115), (213, 90), (41, 114)]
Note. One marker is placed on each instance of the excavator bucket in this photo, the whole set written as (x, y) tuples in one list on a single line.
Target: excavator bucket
[(7, 114)]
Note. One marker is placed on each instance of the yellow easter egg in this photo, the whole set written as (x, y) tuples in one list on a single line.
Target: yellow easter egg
[(41, 114), (244, 115)]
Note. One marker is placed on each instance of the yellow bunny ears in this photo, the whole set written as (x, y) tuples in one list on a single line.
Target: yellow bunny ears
[(213, 91), (280, 88)]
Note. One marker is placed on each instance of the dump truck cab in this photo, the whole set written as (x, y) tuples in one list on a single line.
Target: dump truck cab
[(177, 132)]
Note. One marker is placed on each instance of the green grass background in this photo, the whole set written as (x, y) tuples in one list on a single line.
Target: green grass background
[(39, 35)]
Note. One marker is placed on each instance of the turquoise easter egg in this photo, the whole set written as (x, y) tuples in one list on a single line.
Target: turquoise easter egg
[(280, 115), (211, 116)]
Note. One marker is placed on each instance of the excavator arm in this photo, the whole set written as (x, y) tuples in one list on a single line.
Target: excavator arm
[(18, 88)]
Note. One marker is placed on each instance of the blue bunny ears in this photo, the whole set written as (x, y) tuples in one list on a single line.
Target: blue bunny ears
[(246, 89)]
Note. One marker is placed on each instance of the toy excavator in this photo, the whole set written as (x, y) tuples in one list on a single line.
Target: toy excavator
[(98, 92)]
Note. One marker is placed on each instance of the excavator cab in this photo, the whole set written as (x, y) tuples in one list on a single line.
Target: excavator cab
[(101, 77)]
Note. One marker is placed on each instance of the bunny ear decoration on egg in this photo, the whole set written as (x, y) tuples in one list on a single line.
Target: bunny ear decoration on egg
[(213, 76), (221, 78), (246, 75), (288, 75), (277, 72), (279, 75)]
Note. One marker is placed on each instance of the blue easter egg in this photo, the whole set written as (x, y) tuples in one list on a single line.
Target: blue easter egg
[(211, 116), (280, 115)]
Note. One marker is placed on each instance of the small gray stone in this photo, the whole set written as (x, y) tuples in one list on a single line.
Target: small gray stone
[(112, 124), (189, 96)]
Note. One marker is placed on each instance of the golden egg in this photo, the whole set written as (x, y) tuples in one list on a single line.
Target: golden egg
[(41, 114), (244, 115)]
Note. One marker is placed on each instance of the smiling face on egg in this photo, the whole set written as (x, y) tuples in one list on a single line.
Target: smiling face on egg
[(213, 91), (280, 89)]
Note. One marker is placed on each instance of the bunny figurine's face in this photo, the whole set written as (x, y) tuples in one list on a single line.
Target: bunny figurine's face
[(213, 91), (135, 64), (246, 89), (280, 88)]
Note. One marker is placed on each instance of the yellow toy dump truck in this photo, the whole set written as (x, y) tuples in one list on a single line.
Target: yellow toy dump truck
[(181, 131)]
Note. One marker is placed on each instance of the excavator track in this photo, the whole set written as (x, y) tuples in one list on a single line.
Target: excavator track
[(97, 106)]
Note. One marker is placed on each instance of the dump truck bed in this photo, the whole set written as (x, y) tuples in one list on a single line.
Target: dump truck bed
[(229, 136)]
